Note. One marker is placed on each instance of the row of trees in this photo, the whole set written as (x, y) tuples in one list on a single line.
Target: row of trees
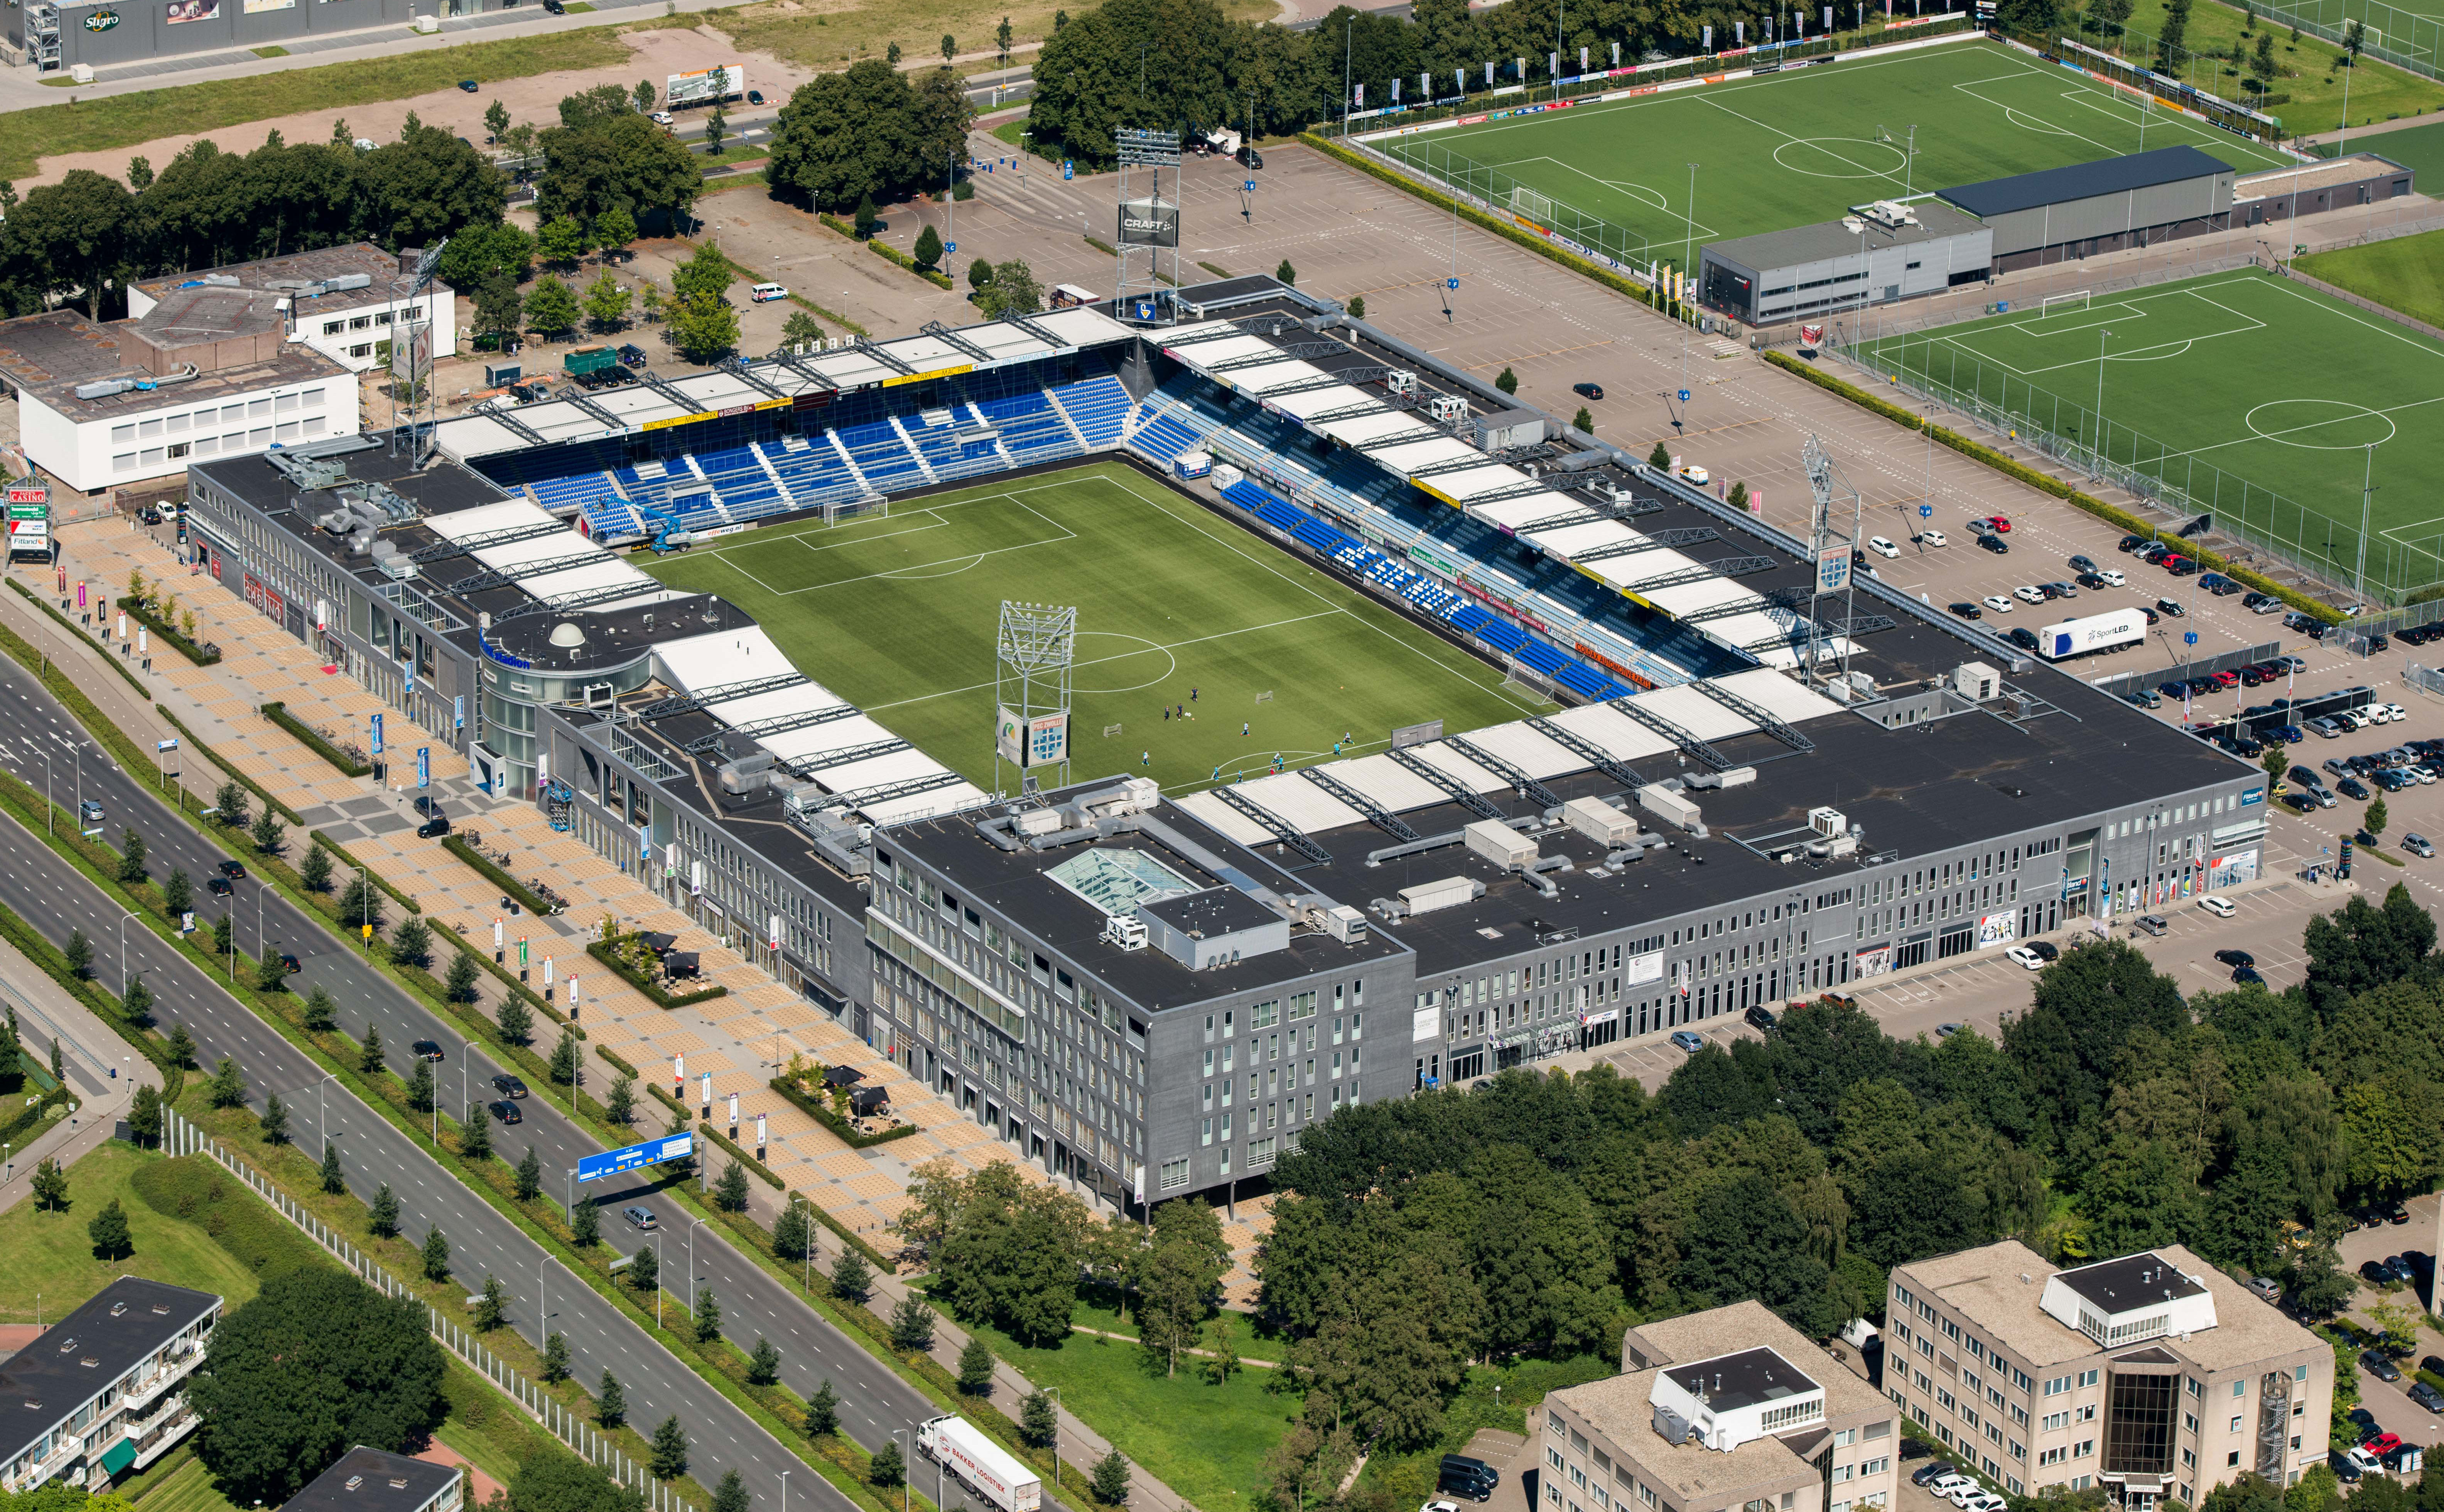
[(870, 132), (1537, 1216)]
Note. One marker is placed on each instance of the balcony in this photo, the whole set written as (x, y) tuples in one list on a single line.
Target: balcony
[(171, 1371), (38, 1471), (164, 1436)]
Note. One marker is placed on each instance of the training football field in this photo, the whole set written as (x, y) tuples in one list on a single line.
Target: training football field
[(1797, 146), (2256, 397), (1175, 607)]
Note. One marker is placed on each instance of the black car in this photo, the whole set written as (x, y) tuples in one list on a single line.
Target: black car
[(2170, 609), (1931, 1473), (2081, 564), (2022, 637), (233, 870), (1587, 391), (1760, 1016), (2044, 949), (507, 1112), (468, 84), (554, 8), (2427, 1396), (2235, 958), (426, 1050), (509, 1086), (1995, 544), (2345, 1468), (432, 827), (2351, 787), (217, 886), (2398, 1213), (631, 355), (1967, 610), (2375, 1364), (2152, 616), (2133, 542), (2089, 580), (1250, 158), (289, 965), (427, 804), (755, 97), (2244, 975), (2374, 1272)]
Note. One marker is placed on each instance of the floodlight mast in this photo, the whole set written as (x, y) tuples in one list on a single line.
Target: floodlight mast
[(1148, 224), (1034, 653)]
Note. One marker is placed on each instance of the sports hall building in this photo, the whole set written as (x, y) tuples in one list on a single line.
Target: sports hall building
[(1158, 992)]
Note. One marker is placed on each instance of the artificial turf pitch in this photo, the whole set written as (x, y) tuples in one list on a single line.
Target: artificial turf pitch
[(1799, 146), (898, 615), (2233, 388)]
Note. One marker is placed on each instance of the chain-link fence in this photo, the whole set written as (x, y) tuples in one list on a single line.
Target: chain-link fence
[(2389, 34)]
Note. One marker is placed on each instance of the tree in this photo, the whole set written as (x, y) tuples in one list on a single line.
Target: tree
[(823, 1412), (928, 252), (131, 856), (717, 126), (606, 303), (181, 1047), (335, 1181), (381, 1214), (475, 1133), (2373, 819), (80, 954), (552, 307), (555, 1358), (886, 1469), (109, 1232), (315, 872), (77, 230), (362, 903), (50, 1187), (370, 1051), (496, 117), (563, 1066), (912, 1326), (492, 1306), (435, 1254), (1111, 1480), (624, 162), (869, 220), (321, 1012), (1286, 272), (852, 1277), (459, 986), (562, 240), (224, 937), (645, 1270), (1507, 382), (1584, 420), (137, 1001), (976, 1367), (669, 1449), (644, 96), (585, 1226), (703, 328), (145, 1116), (316, 1362), (2397, 1325), (230, 803), (730, 1190), (228, 1085), (275, 1120), (420, 1087), (480, 252), (1742, 1240), (1039, 1422), (621, 1106), (1014, 291), (412, 943), (614, 229), (764, 1366), (500, 312), (529, 1175), (1177, 1278), (729, 1494), (177, 896), (707, 1315), (514, 1020), (266, 834), (610, 1403), (979, 275), (800, 329), (950, 49), (866, 131), (270, 973)]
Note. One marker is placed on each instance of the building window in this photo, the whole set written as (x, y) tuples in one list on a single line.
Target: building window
[(1174, 1174)]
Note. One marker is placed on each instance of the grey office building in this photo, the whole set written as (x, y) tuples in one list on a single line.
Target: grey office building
[(56, 36), (1878, 252), (2138, 200)]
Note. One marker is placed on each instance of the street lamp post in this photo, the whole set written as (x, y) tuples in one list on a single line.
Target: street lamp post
[(1689, 240), (906, 1467), (1054, 1393), (122, 950), (691, 1228)]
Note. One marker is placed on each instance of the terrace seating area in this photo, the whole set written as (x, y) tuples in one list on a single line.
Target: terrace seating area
[(1098, 406), (881, 455)]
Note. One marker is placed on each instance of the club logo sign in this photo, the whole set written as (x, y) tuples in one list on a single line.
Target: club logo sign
[(101, 20)]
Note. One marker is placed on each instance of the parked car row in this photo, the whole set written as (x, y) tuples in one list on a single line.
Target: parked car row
[(1947, 1482)]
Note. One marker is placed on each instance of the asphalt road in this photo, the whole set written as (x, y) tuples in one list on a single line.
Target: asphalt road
[(52, 896)]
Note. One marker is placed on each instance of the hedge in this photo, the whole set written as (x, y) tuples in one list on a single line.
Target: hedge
[(851, 1134), (887, 252), (262, 793), (29, 1113), (523, 895), (601, 950), (278, 713), (737, 1152), (142, 609), (351, 863), (2046, 483)]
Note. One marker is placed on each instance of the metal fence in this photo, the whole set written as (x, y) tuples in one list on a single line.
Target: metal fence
[(2426, 679), (2402, 38), (2120, 685), (180, 1138)]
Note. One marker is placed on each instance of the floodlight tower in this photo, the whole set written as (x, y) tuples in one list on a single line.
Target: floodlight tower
[(1149, 224), (411, 364), (1831, 553), (1034, 652)]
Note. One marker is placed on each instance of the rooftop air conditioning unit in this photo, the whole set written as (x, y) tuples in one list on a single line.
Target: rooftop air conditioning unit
[(1977, 680), (1400, 381), (1827, 821), (1126, 931), (1447, 408), (1344, 924)]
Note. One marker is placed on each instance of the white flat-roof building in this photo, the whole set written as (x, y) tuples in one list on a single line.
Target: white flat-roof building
[(344, 301)]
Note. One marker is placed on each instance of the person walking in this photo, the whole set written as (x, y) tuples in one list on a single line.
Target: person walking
[(1145, 758)]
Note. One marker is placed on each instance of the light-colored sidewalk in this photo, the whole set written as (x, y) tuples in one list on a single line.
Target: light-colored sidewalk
[(102, 1072)]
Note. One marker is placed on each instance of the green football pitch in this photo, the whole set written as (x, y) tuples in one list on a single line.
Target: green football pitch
[(1175, 607), (2244, 394), (1797, 146)]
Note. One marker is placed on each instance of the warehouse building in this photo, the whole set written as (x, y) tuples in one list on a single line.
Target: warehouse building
[(2138, 200)]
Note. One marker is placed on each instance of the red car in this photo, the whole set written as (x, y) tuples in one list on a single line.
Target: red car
[(2226, 679), (2383, 1443), (2000, 525)]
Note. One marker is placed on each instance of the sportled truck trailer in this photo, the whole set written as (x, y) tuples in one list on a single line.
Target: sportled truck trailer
[(981, 1465)]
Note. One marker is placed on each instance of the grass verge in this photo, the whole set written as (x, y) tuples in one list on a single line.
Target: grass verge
[(312, 740), (2405, 274)]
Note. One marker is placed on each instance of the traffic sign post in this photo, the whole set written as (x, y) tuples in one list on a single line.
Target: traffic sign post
[(651, 1153)]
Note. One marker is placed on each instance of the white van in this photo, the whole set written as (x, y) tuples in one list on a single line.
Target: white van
[(765, 292)]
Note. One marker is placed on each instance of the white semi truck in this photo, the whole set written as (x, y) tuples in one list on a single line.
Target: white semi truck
[(981, 1465)]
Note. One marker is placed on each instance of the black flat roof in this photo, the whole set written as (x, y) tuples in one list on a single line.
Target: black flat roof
[(90, 1349), (2133, 1280), (367, 1480), (1748, 1378), (2107, 175), (1215, 911)]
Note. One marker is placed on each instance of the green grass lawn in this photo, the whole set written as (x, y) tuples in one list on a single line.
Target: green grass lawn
[(187, 1487), (1799, 146), (2378, 91), (1206, 1442), (50, 1255), (898, 615), (2235, 389), (2406, 273), (2419, 149)]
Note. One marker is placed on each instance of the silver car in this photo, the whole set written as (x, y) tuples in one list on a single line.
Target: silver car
[(2419, 846)]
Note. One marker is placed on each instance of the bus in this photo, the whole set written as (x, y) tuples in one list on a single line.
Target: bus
[(1069, 295)]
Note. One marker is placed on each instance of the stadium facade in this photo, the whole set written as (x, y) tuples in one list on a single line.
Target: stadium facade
[(1157, 993)]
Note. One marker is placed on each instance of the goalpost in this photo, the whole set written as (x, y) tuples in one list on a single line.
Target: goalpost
[(1536, 207), (843, 510), (2053, 302)]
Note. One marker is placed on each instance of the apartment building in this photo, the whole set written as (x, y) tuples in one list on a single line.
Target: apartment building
[(1726, 1410), (369, 1480), (2152, 1375), (103, 1391)]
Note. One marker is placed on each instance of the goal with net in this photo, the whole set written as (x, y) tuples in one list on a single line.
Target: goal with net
[(2061, 304), (1536, 207), (843, 511)]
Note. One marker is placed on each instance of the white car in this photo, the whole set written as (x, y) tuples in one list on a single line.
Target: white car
[(1934, 538), (2027, 593), (2220, 907), (2396, 712), (2378, 714), (2111, 575), (1946, 1485), (1882, 548), (2027, 958), (1968, 1497), (1983, 1501), (661, 117), (1996, 602), (1692, 472)]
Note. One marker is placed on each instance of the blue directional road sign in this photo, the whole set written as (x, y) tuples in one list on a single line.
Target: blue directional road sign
[(1451, 283), (2189, 638), (1684, 396), (1926, 511), (651, 1152), (949, 246), (1250, 186)]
